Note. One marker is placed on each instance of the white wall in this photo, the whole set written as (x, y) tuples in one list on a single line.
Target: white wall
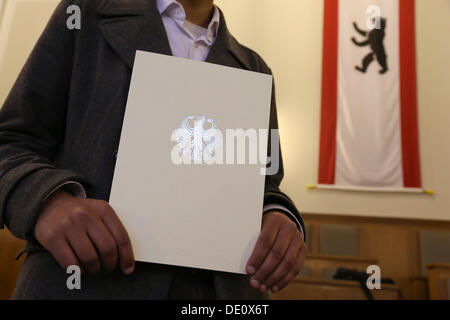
[(288, 34), (21, 23)]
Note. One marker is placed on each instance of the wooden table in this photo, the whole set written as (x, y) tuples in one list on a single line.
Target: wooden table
[(321, 289)]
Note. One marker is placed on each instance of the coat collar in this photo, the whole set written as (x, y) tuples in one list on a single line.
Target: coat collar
[(130, 25)]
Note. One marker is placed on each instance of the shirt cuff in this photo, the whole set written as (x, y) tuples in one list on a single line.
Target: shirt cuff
[(72, 187), (271, 207)]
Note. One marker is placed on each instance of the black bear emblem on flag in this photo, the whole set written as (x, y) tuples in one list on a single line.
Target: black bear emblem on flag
[(374, 39)]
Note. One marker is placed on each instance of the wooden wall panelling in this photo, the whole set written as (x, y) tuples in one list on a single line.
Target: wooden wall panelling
[(393, 242)]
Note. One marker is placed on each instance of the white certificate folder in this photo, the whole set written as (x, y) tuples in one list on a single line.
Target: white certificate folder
[(198, 215)]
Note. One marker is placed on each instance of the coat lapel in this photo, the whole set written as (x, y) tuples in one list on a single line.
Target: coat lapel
[(130, 25)]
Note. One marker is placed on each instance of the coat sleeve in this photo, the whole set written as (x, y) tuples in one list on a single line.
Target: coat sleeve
[(32, 126), (272, 192)]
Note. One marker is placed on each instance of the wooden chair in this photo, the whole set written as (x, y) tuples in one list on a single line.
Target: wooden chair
[(434, 248), (439, 281)]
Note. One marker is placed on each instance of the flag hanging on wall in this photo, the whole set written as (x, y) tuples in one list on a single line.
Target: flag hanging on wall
[(369, 130)]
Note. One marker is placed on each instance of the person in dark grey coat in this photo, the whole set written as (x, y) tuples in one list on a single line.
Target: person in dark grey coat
[(61, 123)]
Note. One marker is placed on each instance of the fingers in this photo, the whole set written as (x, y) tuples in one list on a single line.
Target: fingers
[(84, 232), (273, 259), (293, 273), (286, 265), (278, 255), (63, 253), (105, 244), (84, 249), (120, 235), (263, 245)]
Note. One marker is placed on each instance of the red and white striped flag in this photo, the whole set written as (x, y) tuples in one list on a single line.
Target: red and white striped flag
[(369, 134)]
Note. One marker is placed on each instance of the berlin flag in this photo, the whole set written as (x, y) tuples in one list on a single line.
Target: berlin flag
[(369, 129)]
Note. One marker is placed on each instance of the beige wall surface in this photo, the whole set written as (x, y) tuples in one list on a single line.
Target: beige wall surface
[(21, 23), (288, 34)]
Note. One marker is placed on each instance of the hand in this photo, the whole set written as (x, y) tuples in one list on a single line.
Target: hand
[(83, 232), (278, 255)]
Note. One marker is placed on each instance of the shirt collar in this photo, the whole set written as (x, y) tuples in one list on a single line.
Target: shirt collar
[(168, 6), (118, 26), (163, 5)]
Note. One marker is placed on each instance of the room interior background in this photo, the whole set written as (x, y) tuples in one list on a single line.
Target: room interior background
[(288, 35)]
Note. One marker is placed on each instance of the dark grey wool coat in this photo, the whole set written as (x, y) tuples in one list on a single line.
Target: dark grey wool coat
[(62, 121)]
